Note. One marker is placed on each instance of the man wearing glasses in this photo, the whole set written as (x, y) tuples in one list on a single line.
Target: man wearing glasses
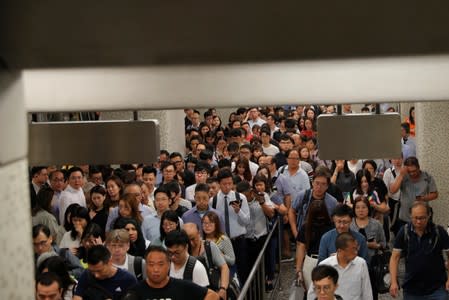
[(325, 280), (342, 219), (184, 266), (354, 282), (423, 244)]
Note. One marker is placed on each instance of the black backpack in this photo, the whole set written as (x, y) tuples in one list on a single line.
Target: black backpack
[(188, 271)]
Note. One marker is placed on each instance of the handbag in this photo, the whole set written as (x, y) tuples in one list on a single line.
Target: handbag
[(380, 270)]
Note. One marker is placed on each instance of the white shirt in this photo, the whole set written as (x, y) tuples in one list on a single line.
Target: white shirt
[(199, 275), (258, 225), (271, 150), (70, 196), (253, 167), (190, 192), (389, 179), (353, 281)]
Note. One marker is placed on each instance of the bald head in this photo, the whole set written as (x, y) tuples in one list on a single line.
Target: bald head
[(191, 229)]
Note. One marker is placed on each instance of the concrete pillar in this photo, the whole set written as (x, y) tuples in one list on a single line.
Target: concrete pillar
[(432, 127), (171, 125), (16, 259)]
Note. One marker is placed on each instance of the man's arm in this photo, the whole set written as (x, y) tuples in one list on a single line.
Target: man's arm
[(396, 184), (394, 262), (292, 221)]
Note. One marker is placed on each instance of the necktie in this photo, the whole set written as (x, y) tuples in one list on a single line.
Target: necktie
[(226, 209), (405, 141)]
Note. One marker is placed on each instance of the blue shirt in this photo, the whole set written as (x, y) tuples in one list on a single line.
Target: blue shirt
[(329, 201), (327, 244), (194, 216)]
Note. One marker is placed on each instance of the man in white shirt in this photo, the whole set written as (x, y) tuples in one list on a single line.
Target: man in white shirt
[(253, 117), (393, 198), (267, 147), (73, 193), (354, 282), (183, 266)]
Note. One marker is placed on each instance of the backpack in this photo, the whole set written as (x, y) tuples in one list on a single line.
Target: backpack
[(138, 267), (188, 271), (302, 211), (380, 271)]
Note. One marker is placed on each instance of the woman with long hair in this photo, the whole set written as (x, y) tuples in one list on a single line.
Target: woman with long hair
[(137, 243), (317, 223), (169, 222), (79, 219), (42, 213), (212, 232), (342, 176), (411, 120), (129, 207), (242, 169), (98, 206)]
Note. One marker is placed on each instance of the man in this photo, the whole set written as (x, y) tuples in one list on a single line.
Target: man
[(177, 160), (423, 243), (342, 218), (198, 249), (168, 172), (184, 266), (159, 285), (39, 177), (271, 122), (325, 280), (48, 286), (73, 193), (267, 147), (214, 186), (407, 142), (393, 198), (201, 175), (196, 213), (354, 280), (194, 120), (285, 144), (135, 190), (234, 207), (414, 184), (117, 242), (254, 118), (245, 152), (102, 277), (149, 178), (57, 184), (300, 205), (175, 196)]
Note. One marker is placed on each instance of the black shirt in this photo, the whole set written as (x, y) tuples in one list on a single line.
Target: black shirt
[(175, 289)]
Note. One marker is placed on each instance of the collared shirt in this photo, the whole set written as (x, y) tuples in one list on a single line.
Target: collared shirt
[(150, 227), (190, 192), (114, 214), (70, 196), (237, 222), (353, 280), (193, 215), (388, 179), (327, 244), (424, 264), (258, 225), (287, 184), (329, 201)]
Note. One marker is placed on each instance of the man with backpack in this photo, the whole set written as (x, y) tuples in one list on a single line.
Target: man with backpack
[(301, 202), (183, 265), (422, 244), (208, 253)]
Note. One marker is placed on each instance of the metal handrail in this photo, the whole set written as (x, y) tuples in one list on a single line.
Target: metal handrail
[(257, 279)]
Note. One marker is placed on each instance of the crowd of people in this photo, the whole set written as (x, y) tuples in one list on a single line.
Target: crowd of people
[(194, 223)]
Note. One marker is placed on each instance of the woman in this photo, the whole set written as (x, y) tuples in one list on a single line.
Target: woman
[(411, 120), (137, 243), (58, 266), (309, 128), (129, 207), (210, 139), (169, 222), (72, 239), (304, 155), (365, 189), (317, 223), (265, 171), (212, 232), (242, 169), (203, 130), (114, 186), (99, 207), (343, 177), (216, 122), (42, 213), (256, 152), (93, 235), (371, 229)]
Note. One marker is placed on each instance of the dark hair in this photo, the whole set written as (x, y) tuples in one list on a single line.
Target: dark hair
[(58, 266), (119, 183), (172, 187), (224, 173), (136, 248), (410, 117), (406, 127), (345, 167), (98, 189), (79, 212), (134, 205), (324, 271), (149, 169), (214, 218), (322, 171), (176, 237), (47, 279), (260, 178), (364, 200), (50, 176), (202, 187), (41, 228), (97, 254), (68, 226), (359, 176), (73, 170), (342, 240), (243, 186), (169, 215), (245, 163), (156, 249), (343, 211), (411, 161), (316, 218), (268, 183), (370, 162), (43, 201), (35, 170), (93, 229), (163, 189)]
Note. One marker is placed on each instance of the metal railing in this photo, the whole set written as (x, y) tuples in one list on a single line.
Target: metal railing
[(254, 287)]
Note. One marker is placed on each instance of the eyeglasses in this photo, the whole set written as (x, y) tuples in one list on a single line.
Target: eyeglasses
[(419, 218), (174, 253), (295, 158), (324, 288), (318, 183), (340, 222), (40, 244)]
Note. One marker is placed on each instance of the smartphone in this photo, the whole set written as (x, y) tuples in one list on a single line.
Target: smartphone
[(371, 240), (234, 202)]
